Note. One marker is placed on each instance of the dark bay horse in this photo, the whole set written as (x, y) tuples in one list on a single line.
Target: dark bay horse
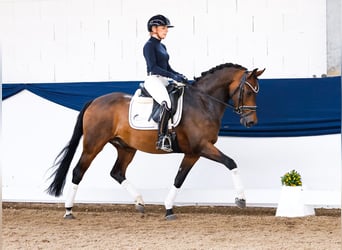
[(105, 120)]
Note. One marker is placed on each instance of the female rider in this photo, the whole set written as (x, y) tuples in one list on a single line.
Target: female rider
[(159, 72)]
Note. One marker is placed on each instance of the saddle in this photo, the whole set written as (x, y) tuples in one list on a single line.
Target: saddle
[(144, 111), (174, 91)]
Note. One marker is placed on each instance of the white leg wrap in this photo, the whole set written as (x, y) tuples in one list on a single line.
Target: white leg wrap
[(170, 198), (238, 184), (139, 200), (132, 191), (70, 198)]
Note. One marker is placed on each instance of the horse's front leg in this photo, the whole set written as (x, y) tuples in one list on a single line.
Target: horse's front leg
[(212, 153), (184, 169)]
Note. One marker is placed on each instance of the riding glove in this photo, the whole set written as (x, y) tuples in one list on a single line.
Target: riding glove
[(180, 78)]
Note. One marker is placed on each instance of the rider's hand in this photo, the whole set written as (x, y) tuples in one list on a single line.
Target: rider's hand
[(184, 79), (180, 78)]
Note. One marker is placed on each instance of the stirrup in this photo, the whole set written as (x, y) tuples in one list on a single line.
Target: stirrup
[(165, 143)]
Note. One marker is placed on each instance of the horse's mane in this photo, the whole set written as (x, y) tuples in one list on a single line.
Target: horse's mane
[(218, 67)]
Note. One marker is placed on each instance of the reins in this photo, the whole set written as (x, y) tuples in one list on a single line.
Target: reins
[(240, 108), (215, 99)]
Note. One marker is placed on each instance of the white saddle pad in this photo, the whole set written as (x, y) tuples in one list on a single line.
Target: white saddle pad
[(140, 109)]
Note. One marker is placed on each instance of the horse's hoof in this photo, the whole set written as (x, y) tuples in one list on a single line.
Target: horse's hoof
[(140, 208), (69, 217), (170, 215), (240, 203)]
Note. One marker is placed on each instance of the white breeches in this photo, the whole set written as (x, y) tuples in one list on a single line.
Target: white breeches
[(156, 86)]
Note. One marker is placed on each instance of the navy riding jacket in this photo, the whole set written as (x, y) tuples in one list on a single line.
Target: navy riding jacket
[(157, 59)]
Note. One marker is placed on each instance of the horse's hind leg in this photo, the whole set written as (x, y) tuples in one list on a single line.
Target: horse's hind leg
[(78, 173), (118, 172)]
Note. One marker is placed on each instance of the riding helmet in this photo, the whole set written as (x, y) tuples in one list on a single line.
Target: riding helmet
[(158, 20)]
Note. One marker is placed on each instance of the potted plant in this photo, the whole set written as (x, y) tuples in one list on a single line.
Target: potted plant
[(291, 179), (291, 203)]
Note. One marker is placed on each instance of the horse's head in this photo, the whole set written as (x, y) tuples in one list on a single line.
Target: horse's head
[(243, 94)]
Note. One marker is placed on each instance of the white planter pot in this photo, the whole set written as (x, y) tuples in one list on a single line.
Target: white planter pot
[(291, 203)]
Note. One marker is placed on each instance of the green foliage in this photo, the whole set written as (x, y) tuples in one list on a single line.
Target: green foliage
[(291, 178)]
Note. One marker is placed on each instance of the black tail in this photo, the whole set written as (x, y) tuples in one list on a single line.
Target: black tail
[(64, 158)]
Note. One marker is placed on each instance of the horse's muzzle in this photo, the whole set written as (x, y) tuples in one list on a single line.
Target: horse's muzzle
[(249, 120), (249, 124)]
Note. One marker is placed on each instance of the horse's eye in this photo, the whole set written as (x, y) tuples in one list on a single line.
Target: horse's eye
[(249, 93)]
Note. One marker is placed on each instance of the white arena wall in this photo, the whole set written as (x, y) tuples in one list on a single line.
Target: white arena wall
[(102, 40), (49, 41), (35, 130)]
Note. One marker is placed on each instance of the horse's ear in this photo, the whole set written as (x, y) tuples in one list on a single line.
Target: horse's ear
[(253, 73), (257, 73)]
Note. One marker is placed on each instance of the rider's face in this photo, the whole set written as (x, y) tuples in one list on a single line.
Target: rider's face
[(160, 31)]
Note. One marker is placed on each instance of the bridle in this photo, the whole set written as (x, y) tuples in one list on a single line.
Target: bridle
[(240, 107)]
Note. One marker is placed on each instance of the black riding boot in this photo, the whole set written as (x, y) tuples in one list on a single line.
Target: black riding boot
[(164, 139)]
